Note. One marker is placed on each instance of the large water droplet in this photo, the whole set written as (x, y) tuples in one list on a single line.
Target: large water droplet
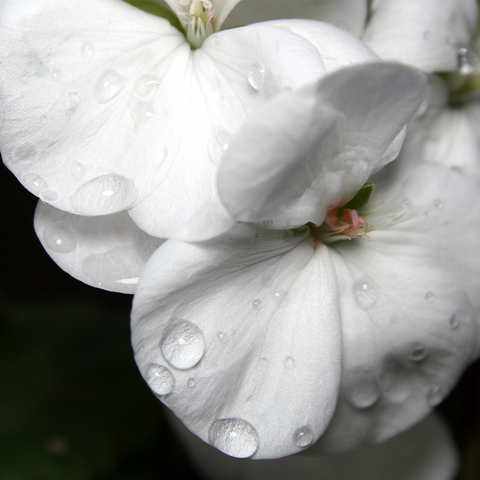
[(146, 85), (363, 389), (222, 336), (257, 304), (430, 297), (434, 396), (108, 86), (366, 292), (160, 379), (289, 363), (78, 170), (256, 76), (418, 353), (49, 195), (233, 436), (59, 238), (88, 50), (183, 345), (103, 195), (303, 437), (35, 184), (467, 61)]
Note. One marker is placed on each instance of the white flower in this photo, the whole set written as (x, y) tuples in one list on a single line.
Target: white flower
[(262, 341), (106, 108)]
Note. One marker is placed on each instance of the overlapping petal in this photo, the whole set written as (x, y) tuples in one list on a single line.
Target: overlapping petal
[(427, 33), (242, 336), (107, 252), (313, 149)]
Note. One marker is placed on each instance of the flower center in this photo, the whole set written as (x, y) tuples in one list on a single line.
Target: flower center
[(198, 21)]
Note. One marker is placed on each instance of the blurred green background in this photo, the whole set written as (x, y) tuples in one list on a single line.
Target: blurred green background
[(72, 403)]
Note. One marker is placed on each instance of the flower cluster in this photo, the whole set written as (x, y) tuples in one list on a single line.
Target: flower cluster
[(287, 202)]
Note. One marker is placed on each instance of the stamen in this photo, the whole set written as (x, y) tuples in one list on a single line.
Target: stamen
[(198, 23)]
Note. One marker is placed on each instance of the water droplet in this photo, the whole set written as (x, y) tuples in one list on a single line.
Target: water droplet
[(303, 437), (141, 112), (222, 336), (430, 297), (44, 119), (256, 76), (59, 238), (219, 143), (419, 352), (140, 349), (183, 345), (56, 74), (103, 195), (407, 202), (25, 152), (35, 184), (363, 389), (108, 86), (191, 382), (467, 61), (427, 35), (77, 170), (233, 332), (216, 40), (146, 85), (280, 296), (366, 293), (289, 363), (434, 396), (87, 50), (49, 195), (263, 361), (160, 379), (233, 436), (453, 322), (74, 98), (438, 204), (257, 304)]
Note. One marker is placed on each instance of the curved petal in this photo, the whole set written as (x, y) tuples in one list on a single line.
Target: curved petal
[(314, 149), (106, 252), (350, 15), (241, 334), (409, 305), (426, 34)]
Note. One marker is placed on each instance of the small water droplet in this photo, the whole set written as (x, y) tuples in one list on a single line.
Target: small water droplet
[(222, 336), (233, 436), (289, 363), (427, 35), (146, 85), (77, 170), (35, 184), (453, 322), (467, 61), (74, 98), (366, 293), (303, 437), (263, 361), (59, 238), (256, 76), (438, 204), (140, 349), (160, 379), (88, 50), (430, 297), (141, 112), (419, 353), (191, 382), (44, 119), (108, 86), (56, 74), (434, 396), (407, 202), (363, 389), (257, 304), (183, 345), (216, 40), (219, 143), (103, 195), (233, 332), (280, 296), (49, 195)]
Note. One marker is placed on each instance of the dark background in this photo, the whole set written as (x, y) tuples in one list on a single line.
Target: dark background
[(72, 403)]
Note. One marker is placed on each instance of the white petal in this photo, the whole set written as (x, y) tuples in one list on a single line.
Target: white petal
[(248, 326), (426, 451), (427, 34), (314, 149), (350, 15), (409, 305), (107, 252)]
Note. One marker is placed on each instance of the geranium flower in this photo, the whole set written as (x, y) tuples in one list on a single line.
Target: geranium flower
[(106, 108), (260, 339)]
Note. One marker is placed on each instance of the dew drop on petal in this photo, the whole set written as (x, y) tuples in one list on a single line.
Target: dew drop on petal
[(77, 170), (160, 379), (146, 85), (434, 396), (363, 389), (418, 353), (289, 363), (438, 204), (74, 98), (430, 297), (256, 76), (366, 292), (263, 361), (191, 382), (467, 61), (220, 141), (407, 202), (88, 50), (453, 322), (141, 112), (257, 304), (49, 195), (216, 40), (108, 86), (35, 184), (222, 336), (233, 436), (303, 437), (59, 238), (103, 195), (183, 345)]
